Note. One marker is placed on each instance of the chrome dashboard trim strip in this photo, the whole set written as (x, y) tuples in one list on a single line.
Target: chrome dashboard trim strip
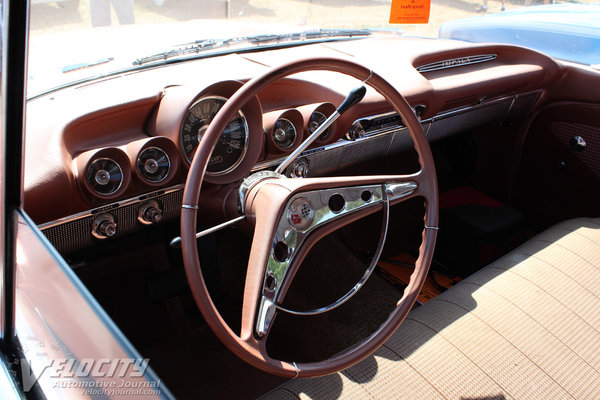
[(111, 206), (426, 123), (331, 146), (462, 110), (456, 62), (389, 129)]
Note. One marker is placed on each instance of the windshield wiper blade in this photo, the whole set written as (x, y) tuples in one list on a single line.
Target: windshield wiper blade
[(304, 37), (309, 35), (75, 67)]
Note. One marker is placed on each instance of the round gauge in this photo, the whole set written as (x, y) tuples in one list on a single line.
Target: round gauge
[(232, 145), (316, 119), (153, 164), (284, 133), (104, 176)]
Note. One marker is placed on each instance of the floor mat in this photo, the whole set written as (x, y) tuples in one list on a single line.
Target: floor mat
[(398, 270), (327, 273)]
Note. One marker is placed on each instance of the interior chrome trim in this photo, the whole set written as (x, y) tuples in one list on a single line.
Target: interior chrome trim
[(293, 234), (462, 110), (514, 100), (364, 277), (112, 206), (176, 242), (456, 62), (142, 151), (396, 191), (331, 146), (275, 130), (246, 131), (385, 131), (307, 142), (87, 172)]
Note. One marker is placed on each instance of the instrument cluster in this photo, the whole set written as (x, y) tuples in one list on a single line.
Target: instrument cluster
[(254, 136), (108, 172)]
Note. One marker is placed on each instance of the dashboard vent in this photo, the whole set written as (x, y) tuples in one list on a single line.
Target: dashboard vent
[(456, 62)]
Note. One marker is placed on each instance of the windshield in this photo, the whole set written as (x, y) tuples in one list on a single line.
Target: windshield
[(75, 40)]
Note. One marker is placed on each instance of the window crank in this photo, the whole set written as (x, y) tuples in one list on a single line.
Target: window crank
[(577, 144)]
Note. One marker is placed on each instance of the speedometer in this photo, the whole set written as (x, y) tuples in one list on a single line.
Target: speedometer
[(232, 145)]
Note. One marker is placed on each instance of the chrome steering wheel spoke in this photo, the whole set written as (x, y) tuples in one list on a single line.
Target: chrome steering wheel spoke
[(305, 212)]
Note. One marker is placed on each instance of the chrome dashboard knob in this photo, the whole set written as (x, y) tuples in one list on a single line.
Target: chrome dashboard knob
[(150, 213), (356, 131), (104, 226), (299, 169)]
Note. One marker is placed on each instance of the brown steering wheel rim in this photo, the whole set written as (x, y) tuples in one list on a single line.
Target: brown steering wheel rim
[(249, 348)]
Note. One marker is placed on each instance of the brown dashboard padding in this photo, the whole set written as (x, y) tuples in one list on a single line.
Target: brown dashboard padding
[(525, 327), (152, 102)]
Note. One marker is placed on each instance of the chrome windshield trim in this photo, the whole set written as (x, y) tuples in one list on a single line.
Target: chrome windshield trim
[(156, 64), (111, 206)]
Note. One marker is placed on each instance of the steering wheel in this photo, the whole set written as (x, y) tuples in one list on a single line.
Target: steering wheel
[(291, 215)]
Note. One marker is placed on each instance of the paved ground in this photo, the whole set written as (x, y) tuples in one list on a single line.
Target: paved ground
[(75, 14)]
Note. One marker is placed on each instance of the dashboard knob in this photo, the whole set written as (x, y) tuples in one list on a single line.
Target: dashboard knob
[(150, 213), (356, 131), (299, 169), (104, 226)]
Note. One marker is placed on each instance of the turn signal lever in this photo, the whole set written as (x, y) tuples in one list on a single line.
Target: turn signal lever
[(355, 96), (577, 144)]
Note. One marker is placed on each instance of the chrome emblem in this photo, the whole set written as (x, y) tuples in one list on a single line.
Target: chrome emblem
[(300, 214)]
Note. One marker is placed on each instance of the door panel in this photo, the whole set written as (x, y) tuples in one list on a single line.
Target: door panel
[(550, 192), (73, 348)]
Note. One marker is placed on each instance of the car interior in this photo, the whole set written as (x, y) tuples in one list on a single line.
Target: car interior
[(467, 180)]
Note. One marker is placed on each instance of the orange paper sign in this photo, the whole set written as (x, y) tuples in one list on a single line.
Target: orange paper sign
[(410, 11)]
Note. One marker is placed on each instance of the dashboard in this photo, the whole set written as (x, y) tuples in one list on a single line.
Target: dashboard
[(109, 157)]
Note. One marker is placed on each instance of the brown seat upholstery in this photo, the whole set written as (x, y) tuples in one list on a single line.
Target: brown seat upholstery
[(525, 327)]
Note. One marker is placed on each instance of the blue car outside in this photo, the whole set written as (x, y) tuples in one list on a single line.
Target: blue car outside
[(564, 31)]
